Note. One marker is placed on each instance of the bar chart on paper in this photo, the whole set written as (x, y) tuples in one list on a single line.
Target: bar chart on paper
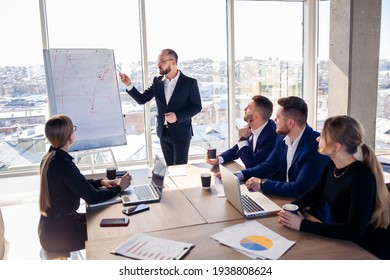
[(146, 247)]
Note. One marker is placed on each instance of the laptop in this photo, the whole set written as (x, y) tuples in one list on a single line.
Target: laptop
[(150, 192), (249, 204)]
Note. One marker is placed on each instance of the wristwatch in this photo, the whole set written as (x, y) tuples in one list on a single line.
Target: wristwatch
[(262, 181)]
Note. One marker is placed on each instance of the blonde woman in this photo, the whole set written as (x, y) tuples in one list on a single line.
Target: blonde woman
[(353, 186), (61, 228)]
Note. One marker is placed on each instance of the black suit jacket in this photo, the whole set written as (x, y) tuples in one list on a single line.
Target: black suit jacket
[(185, 103)]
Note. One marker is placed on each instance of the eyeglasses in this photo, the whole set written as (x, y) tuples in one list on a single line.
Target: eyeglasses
[(163, 61), (74, 128)]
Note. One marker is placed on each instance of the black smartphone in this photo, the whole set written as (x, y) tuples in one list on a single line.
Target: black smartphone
[(135, 209), (120, 173), (114, 222)]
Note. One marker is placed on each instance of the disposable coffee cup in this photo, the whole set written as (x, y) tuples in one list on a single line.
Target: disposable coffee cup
[(212, 153), (206, 180), (290, 208), (111, 173)]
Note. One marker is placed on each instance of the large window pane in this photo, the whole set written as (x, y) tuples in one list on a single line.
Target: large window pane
[(196, 30), (113, 25), (383, 106), (23, 102), (323, 62), (268, 50)]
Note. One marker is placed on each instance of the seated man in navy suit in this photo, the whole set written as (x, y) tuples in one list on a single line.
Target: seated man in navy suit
[(294, 166), (257, 139)]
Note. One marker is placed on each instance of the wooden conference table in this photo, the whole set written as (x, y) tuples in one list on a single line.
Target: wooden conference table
[(189, 213)]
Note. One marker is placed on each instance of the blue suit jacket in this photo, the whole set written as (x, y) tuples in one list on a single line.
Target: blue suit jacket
[(264, 146), (185, 103), (306, 167)]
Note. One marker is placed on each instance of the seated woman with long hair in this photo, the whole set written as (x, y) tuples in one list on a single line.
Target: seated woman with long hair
[(353, 187), (61, 228)]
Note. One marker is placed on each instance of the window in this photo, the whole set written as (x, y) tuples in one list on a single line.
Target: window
[(268, 50), (97, 24), (198, 35), (23, 100), (323, 62), (382, 144)]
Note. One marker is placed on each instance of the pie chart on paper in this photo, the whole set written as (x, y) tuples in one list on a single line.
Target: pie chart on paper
[(256, 243)]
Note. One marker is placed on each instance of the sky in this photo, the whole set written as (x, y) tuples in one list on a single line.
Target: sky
[(115, 25)]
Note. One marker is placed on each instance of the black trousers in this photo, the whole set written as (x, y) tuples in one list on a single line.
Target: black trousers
[(174, 152)]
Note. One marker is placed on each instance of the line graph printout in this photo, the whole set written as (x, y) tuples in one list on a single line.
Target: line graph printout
[(82, 84), (146, 247)]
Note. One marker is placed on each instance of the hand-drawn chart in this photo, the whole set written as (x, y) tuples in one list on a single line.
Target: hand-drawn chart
[(82, 84)]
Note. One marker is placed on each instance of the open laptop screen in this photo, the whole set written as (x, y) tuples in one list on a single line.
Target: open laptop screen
[(159, 171)]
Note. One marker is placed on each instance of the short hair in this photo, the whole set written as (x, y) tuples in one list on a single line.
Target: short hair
[(295, 108), (172, 54), (264, 105)]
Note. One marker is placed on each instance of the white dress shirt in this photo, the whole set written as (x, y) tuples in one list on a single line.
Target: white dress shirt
[(169, 86), (292, 147)]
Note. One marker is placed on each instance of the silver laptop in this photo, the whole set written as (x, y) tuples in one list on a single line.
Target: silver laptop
[(249, 204), (150, 192)]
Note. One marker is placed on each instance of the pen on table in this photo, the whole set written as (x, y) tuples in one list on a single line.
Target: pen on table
[(183, 252)]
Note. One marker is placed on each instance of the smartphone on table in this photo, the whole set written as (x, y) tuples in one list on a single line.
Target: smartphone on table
[(135, 209), (114, 222)]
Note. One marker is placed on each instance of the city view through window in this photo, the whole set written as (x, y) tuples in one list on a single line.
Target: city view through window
[(271, 67)]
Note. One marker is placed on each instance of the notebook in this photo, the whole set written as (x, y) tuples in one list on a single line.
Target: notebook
[(250, 204), (150, 192)]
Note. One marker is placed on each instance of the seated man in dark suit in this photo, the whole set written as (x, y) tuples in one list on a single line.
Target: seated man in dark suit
[(294, 165), (257, 139)]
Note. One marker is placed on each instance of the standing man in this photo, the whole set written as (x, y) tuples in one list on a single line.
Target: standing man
[(178, 100), (257, 139), (294, 166)]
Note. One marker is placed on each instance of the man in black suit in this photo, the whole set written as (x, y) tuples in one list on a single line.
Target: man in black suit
[(178, 100)]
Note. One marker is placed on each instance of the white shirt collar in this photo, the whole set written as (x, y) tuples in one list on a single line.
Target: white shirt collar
[(258, 130), (164, 79), (287, 140)]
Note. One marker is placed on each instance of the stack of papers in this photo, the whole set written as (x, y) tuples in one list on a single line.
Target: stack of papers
[(254, 240), (174, 171), (145, 247)]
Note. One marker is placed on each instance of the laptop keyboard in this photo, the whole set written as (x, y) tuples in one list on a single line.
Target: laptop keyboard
[(249, 205), (143, 192)]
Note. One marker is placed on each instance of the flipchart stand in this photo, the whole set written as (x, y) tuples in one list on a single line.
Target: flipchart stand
[(79, 154)]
